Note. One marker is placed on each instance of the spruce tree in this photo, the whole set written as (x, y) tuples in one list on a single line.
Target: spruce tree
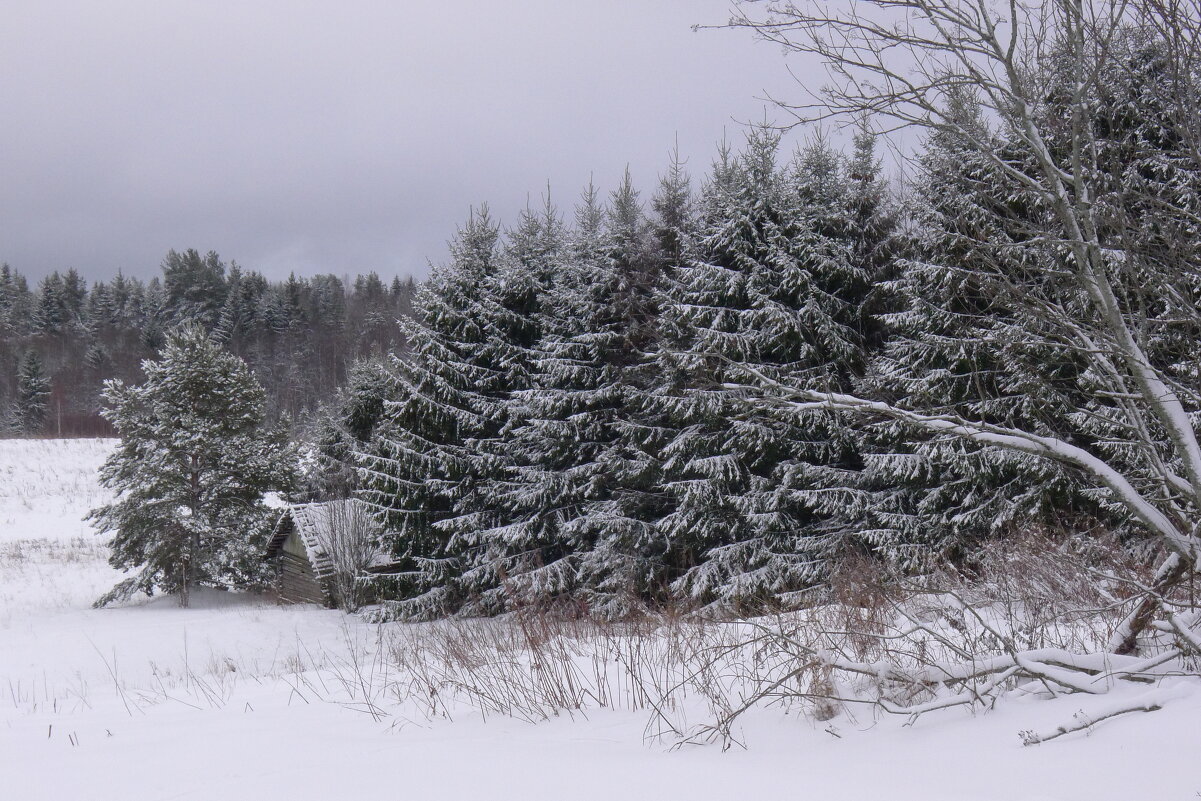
[(191, 471), (513, 520), (768, 292), (418, 465), (51, 315), (33, 396), (632, 561), (562, 495), (873, 233), (347, 428), (1149, 196), (16, 303), (957, 343), (487, 528)]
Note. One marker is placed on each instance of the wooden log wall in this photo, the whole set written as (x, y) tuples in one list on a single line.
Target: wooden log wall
[(298, 583)]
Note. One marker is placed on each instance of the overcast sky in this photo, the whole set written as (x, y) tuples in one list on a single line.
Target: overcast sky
[(342, 136)]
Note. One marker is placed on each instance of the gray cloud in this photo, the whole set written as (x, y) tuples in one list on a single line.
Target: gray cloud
[(341, 136)]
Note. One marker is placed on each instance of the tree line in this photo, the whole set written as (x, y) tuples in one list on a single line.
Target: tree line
[(718, 395), (579, 414), (60, 340)]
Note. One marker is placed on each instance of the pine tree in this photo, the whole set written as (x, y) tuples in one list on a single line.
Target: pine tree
[(191, 471), (195, 286)]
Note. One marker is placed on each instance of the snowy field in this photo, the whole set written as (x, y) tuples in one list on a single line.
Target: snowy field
[(240, 698)]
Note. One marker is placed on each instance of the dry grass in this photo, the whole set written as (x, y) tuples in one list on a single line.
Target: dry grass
[(1035, 621), (54, 478), (17, 553)]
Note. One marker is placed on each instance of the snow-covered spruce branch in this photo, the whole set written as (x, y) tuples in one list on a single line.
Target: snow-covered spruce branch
[(1180, 541)]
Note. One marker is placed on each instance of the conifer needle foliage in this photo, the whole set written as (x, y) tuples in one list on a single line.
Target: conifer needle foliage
[(191, 471)]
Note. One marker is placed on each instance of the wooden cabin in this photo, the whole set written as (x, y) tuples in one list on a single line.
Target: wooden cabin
[(303, 569), (300, 544)]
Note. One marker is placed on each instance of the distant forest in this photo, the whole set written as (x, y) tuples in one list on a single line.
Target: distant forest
[(62, 339)]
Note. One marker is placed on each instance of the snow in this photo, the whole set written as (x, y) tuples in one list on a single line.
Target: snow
[(46, 486), (240, 698)]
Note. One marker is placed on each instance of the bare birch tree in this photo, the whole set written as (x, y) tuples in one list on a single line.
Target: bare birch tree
[(349, 535), (1119, 256)]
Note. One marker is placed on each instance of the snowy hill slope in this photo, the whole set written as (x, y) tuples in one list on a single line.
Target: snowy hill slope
[(240, 698)]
